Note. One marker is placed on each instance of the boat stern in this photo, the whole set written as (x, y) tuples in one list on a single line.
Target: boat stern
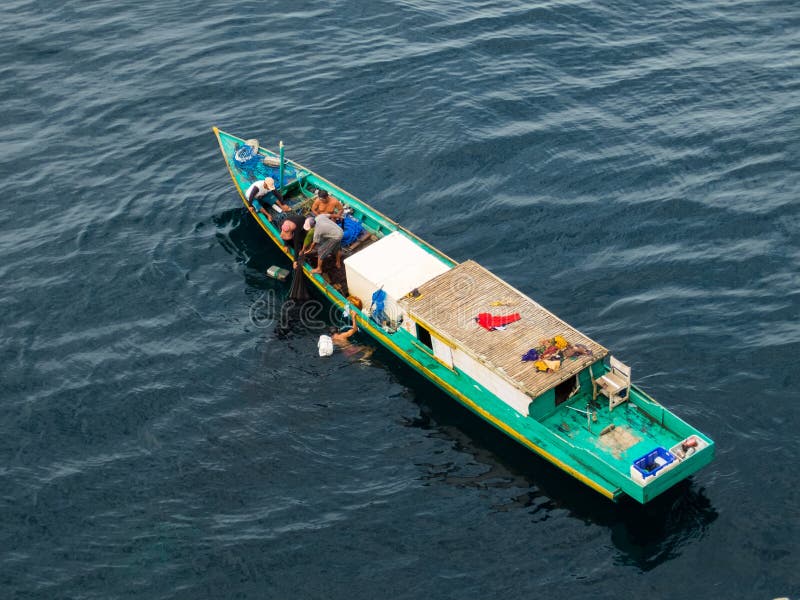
[(660, 469)]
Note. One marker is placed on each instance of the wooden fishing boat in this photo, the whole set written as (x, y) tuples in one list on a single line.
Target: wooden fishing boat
[(467, 331)]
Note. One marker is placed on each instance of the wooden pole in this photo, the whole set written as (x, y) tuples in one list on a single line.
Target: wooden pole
[(280, 171)]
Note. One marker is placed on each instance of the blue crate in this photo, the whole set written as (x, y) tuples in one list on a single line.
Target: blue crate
[(653, 462)]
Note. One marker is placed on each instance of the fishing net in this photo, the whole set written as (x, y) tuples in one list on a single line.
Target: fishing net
[(299, 289)]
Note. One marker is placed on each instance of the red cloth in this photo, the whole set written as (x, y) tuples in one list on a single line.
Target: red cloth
[(491, 322)]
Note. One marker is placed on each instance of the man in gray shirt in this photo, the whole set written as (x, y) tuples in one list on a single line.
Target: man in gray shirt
[(327, 239)]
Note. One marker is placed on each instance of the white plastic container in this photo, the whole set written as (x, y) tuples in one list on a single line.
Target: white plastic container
[(325, 345)]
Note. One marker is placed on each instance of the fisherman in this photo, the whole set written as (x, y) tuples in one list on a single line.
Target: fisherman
[(327, 240), (308, 228), (342, 337), (325, 204), (292, 233), (260, 189)]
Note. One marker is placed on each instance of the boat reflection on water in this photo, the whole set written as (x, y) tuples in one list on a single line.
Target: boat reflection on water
[(646, 536)]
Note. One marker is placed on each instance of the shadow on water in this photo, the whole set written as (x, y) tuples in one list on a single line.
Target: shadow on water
[(646, 536), (240, 236), (291, 307), (230, 227), (244, 239)]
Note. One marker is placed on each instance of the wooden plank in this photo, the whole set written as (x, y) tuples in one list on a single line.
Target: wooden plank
[(449, 303)]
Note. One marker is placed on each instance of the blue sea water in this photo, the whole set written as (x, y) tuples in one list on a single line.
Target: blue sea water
[(631, 166)]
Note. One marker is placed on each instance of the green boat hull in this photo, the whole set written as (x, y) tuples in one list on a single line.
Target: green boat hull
[(588, 449)]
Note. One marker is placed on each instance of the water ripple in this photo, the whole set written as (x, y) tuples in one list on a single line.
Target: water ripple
[(632, 167)]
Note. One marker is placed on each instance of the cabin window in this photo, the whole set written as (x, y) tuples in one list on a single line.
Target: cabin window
[(565, 389), (424, 336)]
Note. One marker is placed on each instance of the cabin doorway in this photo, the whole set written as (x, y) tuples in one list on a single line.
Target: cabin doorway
[(424, 336), (566, 389)]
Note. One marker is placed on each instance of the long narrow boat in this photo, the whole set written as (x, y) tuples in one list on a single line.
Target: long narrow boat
[(488, 345)]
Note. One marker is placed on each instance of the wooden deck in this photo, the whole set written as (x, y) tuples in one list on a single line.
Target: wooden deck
[(449, 303)]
